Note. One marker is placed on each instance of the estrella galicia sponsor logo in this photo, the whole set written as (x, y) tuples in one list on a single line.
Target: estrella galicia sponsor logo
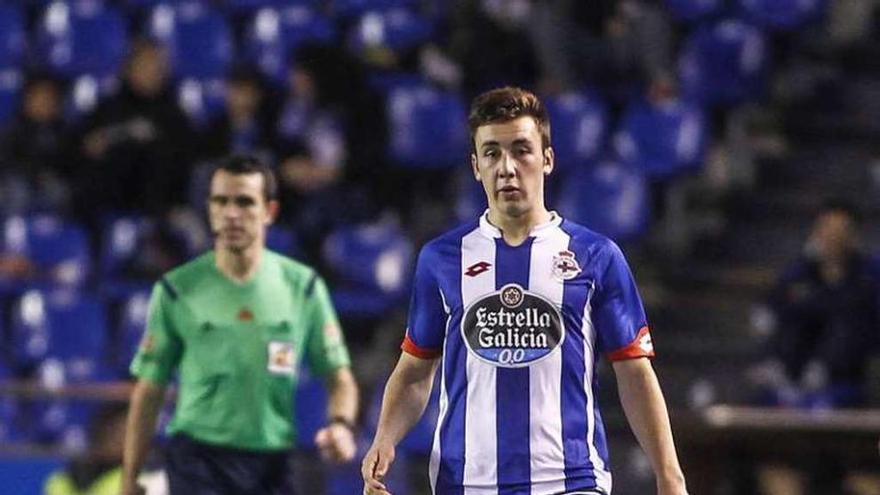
[(512, 327)]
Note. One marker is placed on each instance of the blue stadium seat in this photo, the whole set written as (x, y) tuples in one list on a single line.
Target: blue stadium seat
[(11, 81), (425, 127), (199, 39), (724, 63), (13, 36), (398, 30), (57, 250), (352, 8), (201, 99), (274, 34), (249, 6), (130, 330), (283, 239), (610, 198), (310, 408), (82, 37), (85, 93), (784, 15), (664, 139), (694, 10), (580, 123), (370, 265), (10, 428)]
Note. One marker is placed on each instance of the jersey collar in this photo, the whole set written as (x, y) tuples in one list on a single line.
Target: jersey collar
[(538, 231)]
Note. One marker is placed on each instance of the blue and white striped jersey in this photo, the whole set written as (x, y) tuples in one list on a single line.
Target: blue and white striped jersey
[(519, 329)]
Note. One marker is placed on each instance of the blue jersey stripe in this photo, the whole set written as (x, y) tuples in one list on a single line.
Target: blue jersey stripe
[(450, 476), (578, 468), (514, 470)]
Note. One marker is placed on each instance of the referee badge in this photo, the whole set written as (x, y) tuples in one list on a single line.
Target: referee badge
[(282, 359), (565, 266)]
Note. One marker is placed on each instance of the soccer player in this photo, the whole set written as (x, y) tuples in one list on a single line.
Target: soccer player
[(236, 322), (515, 308)]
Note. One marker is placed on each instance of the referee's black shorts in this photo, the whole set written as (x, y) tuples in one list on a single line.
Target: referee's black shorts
[(196, 468)]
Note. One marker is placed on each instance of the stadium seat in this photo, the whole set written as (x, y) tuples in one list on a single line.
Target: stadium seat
[(310, 408), (13, 36), (240, 7), (579, 123), (724, 63), (663, 139), (199, 39), (610, 198), (369, 265), (694, 10), (283, 239), (274, 34), (58, 252), (783, 15), (398, 30), (353, 8), (82, 37), (425, 126), (130, 330), (11, 81), (10, 428), (201, 99)]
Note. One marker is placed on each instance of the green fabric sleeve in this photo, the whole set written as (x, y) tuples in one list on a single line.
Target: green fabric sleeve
[(326, 350), (159, 351)]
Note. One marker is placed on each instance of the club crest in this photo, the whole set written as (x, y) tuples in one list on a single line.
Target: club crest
[(565, 266)]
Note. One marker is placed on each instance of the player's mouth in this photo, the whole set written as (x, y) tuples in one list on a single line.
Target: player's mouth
[(508, 191)]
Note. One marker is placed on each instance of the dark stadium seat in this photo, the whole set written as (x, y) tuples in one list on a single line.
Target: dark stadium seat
[(13, 36), (130, 329), (10, 427), (398, 30), (283, 239), (201, 99), (425, 126), (610, 198), (694, 10), (11, 81), (351, 8), (663, 139), (274, 34), (82, 37), (57, 252), (250, 6), (310, 408), (580, 125), (198, 38), (783, 15), (370, 267), (724, 63)]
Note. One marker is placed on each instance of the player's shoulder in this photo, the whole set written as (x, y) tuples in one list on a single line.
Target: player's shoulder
[(186, 275), (448, 243), (589, 242)]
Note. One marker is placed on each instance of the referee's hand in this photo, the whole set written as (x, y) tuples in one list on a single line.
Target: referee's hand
[(336, 443), (374, 468)]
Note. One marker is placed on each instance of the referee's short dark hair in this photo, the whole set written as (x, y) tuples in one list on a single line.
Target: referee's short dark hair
[(843, 205), (249, 164)]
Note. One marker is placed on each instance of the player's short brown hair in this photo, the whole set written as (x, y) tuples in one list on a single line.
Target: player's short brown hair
[(505, 104), (247, 164)]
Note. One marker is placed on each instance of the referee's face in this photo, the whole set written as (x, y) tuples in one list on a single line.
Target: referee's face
[(511, 164), (239, 213)]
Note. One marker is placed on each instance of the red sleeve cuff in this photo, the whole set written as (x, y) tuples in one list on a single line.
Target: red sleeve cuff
[(641, 346), (410, 347)]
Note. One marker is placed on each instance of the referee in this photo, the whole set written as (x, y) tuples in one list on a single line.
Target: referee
[(235, 323)]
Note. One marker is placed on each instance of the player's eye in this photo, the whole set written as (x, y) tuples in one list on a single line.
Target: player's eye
[(490, 153), (244, 201), (218, 200)]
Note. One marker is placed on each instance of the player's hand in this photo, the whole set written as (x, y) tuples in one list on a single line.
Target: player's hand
[(336, 443), (374, 468)]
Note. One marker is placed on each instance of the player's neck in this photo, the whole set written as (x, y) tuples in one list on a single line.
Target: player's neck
[(239, 266), (516, 229)]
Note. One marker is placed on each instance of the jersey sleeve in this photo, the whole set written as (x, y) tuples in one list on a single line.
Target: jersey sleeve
[(160, 349), (619, 315), (426, 323), (325, 347)]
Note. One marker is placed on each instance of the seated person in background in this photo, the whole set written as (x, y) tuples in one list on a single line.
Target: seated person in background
[(99, 470), (35, 152), (826, 307)]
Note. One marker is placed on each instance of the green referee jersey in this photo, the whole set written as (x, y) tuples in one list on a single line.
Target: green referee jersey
[(237, 348)]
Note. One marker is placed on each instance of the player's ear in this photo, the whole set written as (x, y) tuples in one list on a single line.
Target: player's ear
[(549, 160), (273, 207), (475, 168)]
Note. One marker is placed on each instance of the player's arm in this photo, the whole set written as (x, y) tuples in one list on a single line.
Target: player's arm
[(146, 401), (336, 441), (646, 412), (404, 402)]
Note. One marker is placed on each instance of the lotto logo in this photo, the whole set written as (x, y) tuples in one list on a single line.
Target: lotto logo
[(477, 268)]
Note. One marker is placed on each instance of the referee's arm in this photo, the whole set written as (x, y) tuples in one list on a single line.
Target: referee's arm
[(646, 412), (146, 401)]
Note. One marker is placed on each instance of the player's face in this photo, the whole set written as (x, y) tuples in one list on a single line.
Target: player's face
[(511, 164), (238, 211)]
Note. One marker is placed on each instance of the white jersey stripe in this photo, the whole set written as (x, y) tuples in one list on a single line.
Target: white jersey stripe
[(603, 475), (434, 462), (545, 403), (480, 418)]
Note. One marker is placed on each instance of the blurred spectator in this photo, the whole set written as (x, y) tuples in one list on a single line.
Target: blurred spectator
[(98, 471), (35, 151), (137, 144), (243, 128), (826, 306)]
